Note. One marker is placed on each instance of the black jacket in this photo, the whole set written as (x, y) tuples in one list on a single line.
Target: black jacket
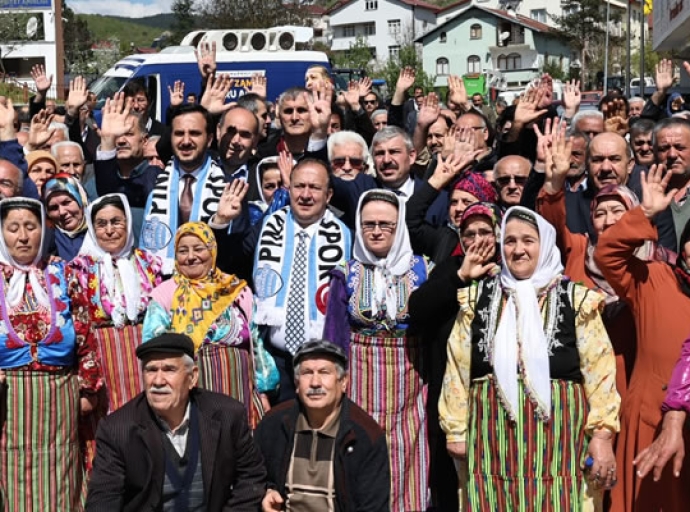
[(129, 468), (362, 469), (435, 242)]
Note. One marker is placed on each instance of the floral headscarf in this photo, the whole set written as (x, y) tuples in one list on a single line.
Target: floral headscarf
[(475, 184), (64, 183), (649, 251), (488, 210), (198, 302)]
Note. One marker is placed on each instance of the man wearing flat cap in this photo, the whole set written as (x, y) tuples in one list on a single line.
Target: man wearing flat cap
[(175, 447), (323, 452)]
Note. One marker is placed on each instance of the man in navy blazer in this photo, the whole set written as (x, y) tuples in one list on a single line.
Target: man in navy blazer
[(175, 447), (393, 154)]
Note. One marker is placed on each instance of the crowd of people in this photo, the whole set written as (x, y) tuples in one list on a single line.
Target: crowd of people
[(337, 302)]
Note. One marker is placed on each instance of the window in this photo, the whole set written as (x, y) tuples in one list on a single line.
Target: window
[(476, 31), (538, 14), (474, 64), (348, 31), (502, 62), (393, 51), (371, 5), (393, 27), (513, 61), (442, 37), (442, 66), (370, 29)]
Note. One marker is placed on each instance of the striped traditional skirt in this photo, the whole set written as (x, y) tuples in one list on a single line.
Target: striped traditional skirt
[(121, 368), (527, 465), (230, 370), (386, 381), (42, 468)]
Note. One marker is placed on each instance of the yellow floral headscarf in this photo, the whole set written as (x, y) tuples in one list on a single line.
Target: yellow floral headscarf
[(197, 303)]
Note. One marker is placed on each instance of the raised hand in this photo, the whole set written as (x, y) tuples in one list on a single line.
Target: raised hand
[(205, 54), (557, 159), (352, 95), (7, 131), (449, 167), (655, 198), (260, 85), (320, 109), (39, 133), (116, 120), (544, 139), (528, 110), (364, 85), (428, 111), (42, 81), (546, 86), (456, 91), (78, 95), (285, 166), (230, 205), (176, 93), (669, 444), (466, 140), (406, 79), (571, 98), (217, 89), (615, 118), (478, 254), (663, 75)]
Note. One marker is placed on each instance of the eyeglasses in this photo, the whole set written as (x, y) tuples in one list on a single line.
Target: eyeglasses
[(482, 233), (355, 163), (504, 181), (386, 227), (116, 223), (370, 102)]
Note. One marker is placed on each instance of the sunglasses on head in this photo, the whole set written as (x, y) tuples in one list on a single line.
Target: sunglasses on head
[(355, 163), (504, 181)]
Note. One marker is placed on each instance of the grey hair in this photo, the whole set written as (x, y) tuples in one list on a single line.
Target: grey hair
[(188, 363), (65, 144), (636, 99), (584, 114), (60, 126), (669, 122), (391, 132), (20, 176), (340, 370), (378, 112), (343, 137), (291, 94)]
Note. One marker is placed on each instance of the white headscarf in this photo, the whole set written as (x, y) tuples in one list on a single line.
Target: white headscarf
[(124, 294), (14, 293), (520, 332), (397, 262)]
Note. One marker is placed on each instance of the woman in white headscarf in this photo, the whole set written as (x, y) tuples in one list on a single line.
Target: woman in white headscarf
[(117, 280), (50, 371), (529, 402), (368, 316)]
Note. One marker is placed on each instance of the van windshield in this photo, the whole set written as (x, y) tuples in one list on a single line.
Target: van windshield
[(105, 87)]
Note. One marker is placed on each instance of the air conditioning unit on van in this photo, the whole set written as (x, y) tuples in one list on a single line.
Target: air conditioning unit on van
[(193, 38), (282, 40)]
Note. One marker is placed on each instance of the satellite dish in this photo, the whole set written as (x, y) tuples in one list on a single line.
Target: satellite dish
[(31, 27), (504, 36)]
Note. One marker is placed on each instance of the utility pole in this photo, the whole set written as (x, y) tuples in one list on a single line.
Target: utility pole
[(59, 51), (628, 75)]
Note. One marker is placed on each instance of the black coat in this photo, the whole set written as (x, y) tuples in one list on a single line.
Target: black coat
[(362, 469), (129, 468)]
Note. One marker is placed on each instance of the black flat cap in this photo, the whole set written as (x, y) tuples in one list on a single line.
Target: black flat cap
[(320, 348), (169, 342)]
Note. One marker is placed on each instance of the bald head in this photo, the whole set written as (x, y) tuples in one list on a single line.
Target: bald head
[(11, 179), (510, 174), (609, 160)]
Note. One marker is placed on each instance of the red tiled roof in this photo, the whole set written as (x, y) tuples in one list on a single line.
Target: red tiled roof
[(454, 5), (316, 10)]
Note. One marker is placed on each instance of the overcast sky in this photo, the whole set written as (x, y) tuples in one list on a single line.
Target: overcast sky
[(129, 8)]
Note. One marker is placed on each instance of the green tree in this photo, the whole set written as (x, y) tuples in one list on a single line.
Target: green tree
[(555, 70), (13, 30), (78, 41), (651, 59), (185, 20), (358, 56), (408, 55), (584, 28), (227, 14)]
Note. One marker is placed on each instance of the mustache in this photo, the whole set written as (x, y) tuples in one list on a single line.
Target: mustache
[(165, 390), (316, 392)]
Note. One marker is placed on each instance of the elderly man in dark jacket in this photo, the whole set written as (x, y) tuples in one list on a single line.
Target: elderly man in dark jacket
[(322, 452)]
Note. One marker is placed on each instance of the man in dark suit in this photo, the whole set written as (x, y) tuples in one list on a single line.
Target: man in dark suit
[(175, 447)]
